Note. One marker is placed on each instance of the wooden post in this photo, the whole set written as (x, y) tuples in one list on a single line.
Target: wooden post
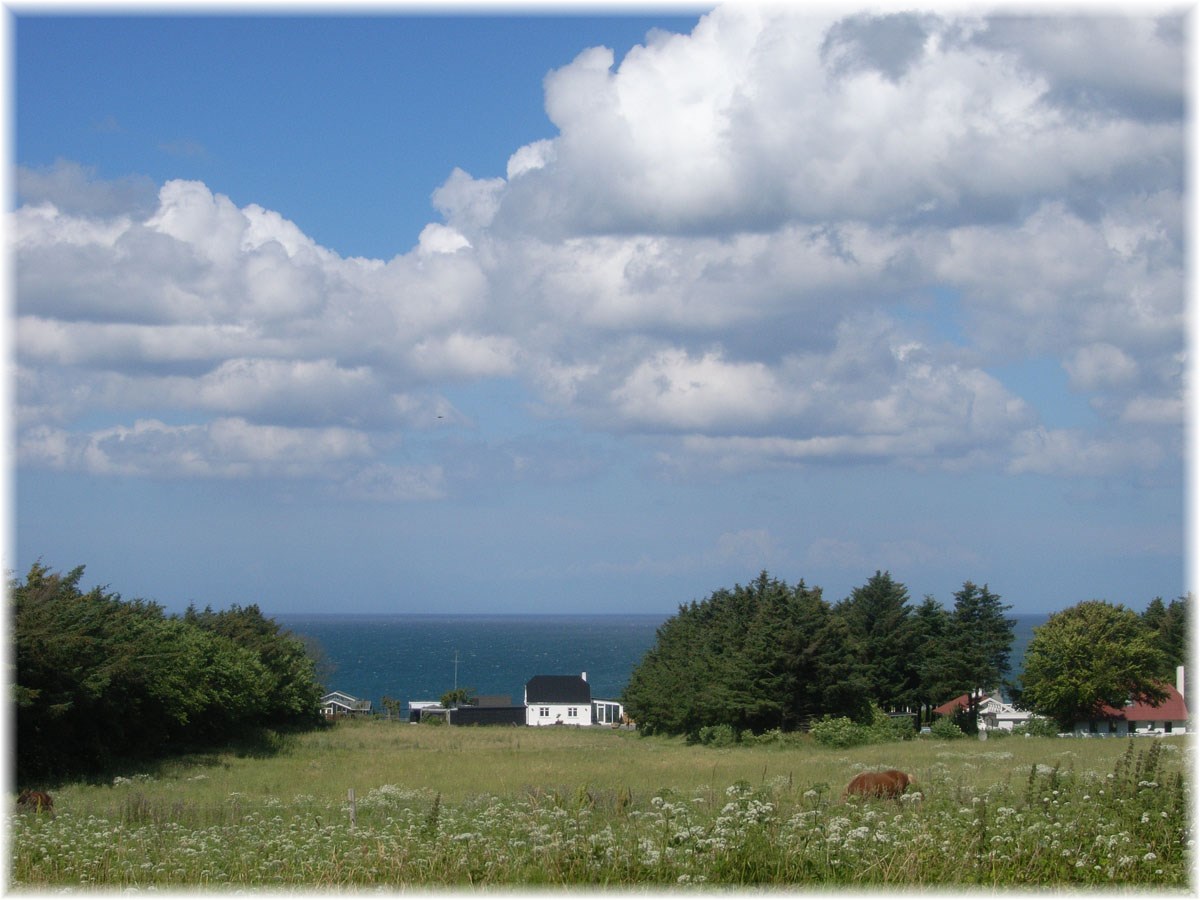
[(353, 809)]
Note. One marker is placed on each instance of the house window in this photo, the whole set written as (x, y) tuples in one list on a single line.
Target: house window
[(544, 712), (572, 712)]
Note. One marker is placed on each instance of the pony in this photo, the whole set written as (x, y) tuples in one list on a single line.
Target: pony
[(35, 801), (888, 784)]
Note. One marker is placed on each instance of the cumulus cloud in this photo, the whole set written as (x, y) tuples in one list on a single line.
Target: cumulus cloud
[(225, 448), (777, 240)]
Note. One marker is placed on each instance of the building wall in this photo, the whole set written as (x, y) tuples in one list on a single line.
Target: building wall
[(1121, 728), (558, 713), (488, 715)]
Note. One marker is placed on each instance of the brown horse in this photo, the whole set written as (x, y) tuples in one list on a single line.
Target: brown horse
[(35, 801), (888, 784)]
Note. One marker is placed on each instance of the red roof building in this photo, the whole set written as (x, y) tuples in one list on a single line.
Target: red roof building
[(1138, 717), (1173, 709)]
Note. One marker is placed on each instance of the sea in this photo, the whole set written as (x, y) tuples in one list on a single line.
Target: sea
[(421, 657)]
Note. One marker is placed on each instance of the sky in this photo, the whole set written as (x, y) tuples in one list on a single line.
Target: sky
[(598, 311)]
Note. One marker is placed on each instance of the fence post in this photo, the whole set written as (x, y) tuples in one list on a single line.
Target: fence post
[(353, 809)]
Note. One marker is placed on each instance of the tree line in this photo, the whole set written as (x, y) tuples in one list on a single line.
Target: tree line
[(99, 680), (769, 655)]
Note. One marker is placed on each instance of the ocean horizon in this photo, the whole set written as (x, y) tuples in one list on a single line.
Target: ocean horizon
[(421, 656)]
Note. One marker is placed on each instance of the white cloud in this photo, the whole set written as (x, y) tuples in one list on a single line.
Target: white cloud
[(437, 238), (71, 187), (1064, 451), (1100, 365), (459, 355), (673, 390), (530, 158), (731, 244), (223, 448)]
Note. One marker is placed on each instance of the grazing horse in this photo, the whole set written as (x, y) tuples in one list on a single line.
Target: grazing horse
[(888, 784), (35, 801)]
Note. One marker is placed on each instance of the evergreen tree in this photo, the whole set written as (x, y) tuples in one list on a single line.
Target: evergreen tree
[(1167, 628), (99, 679), (757, 657), (975, 653), (290, 682), (931, 623), (883, 639)]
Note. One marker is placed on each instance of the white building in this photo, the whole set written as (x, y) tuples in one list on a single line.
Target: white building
[(994, 713), (558, 700)]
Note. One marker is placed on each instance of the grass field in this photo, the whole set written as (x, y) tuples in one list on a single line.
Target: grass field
[(460, 807)]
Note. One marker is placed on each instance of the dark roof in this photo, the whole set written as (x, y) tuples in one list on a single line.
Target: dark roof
[(493, 700), (557, 689)]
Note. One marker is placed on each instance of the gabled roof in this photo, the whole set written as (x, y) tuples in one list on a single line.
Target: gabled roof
[(557, 689), (950, 707), (340, 698), (1171, 709)]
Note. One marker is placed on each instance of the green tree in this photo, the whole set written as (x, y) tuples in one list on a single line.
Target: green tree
[(931, 623), (757, 657), (1088, 656), (99, 679), (392, 705), (1167, 627), (290, 683), (883, 640), (457, 697), (973, 653)]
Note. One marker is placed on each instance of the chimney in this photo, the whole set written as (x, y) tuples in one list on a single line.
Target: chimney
[(583, 675), (1179, 680)]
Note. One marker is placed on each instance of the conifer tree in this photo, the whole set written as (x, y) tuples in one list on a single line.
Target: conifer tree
[(761, 656), (883, 639)]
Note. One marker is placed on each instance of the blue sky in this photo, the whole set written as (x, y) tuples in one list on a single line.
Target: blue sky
[(599, 313)]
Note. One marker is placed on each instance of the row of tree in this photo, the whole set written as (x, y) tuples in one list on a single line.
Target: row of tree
[(771, 655), (99, 679)]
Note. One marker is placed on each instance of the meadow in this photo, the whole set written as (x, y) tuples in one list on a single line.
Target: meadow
[(519, 807)]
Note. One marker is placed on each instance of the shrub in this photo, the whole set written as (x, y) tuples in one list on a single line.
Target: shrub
[(946, 730), (1038, 726), (887, 728), (718, 736), (841, 732)]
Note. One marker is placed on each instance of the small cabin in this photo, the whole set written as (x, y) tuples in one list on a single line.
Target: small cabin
[(339, 703)]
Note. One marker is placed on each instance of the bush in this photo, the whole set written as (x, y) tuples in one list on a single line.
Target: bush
[(845, 732), (718, 736), (1038, 726), (841, 732), (771, 738), (887, 728), (946, 730)]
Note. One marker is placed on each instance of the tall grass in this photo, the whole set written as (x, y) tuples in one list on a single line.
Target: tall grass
[(511, 806)]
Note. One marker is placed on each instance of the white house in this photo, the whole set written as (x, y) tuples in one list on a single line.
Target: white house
[(558, 700), (993, 711), (337, 703)]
